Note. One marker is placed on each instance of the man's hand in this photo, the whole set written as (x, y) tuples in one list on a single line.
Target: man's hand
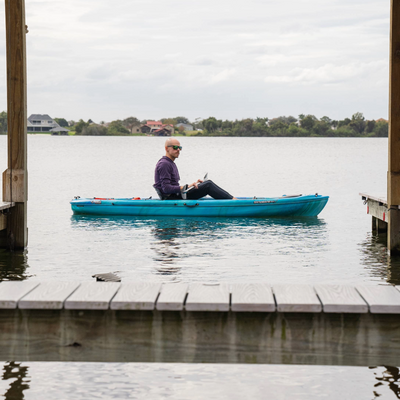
[(195, 184)]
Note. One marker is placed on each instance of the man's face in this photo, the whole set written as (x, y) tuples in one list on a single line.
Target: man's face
[(170, 150)]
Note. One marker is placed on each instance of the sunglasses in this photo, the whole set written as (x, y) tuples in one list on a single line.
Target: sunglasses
[(176, 147)]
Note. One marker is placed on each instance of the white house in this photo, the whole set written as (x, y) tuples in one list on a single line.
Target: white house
[(41, 123)]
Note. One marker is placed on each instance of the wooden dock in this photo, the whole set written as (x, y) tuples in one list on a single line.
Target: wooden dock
[(4, 209), (377, 207), (4, 212), (200, 322)]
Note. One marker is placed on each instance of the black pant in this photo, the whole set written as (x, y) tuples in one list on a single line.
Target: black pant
[(205, 188)]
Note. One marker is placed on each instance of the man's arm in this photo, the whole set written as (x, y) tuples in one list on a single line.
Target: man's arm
[(165, 174)]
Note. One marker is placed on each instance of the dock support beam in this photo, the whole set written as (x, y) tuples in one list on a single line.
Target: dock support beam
[(15, 187), (393, 179)]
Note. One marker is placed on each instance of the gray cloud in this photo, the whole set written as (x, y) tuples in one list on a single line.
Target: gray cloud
[(232, 59)]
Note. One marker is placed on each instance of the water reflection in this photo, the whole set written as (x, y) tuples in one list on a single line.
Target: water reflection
[(376, 259), (13, 265), (387, 376), (177, 242), (18, 377)]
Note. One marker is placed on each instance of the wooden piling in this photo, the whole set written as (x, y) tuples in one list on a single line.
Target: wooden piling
[(15, 177)]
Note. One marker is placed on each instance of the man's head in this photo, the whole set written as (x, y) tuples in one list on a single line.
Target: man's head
[(172, 148)]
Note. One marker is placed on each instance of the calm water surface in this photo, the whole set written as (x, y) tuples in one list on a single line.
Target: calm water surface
[(66, 381), (336, 247)]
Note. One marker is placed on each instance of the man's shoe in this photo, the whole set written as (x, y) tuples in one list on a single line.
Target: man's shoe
[(183, 191)]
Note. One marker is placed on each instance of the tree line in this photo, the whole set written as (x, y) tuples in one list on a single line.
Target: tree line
[(303, 126), (284, 126)]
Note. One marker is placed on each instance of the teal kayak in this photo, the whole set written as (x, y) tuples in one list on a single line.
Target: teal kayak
[(285, 206)]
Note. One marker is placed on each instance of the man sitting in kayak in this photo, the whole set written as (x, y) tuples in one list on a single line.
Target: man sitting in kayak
[(167, 179)]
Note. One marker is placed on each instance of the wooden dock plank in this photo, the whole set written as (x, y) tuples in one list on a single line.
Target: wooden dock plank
[(379, 197), (92, 296), (341, 299), (250, 297), (12, 291), (4, 205), (48, 295), (208, 297), (172, 296), (296, 298), (136, 296), (381, 299)]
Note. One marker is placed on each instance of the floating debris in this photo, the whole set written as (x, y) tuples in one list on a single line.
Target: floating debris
[(108, 277)]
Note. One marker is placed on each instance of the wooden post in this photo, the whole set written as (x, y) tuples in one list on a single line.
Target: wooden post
[(393, 181), (15, 177)]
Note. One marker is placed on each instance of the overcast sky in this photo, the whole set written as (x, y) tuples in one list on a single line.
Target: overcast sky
[(231, 59)]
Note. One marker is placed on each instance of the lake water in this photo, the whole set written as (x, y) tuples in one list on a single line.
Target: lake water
[(335, 247)]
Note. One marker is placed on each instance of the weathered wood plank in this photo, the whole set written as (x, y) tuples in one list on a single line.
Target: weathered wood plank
[(393, 176), (252, 297), (340, 299), (12, 291), (3, 221), (199, 337), (15, 178), (6, 205), (377, 210), (92, 296), (48, 295), (136, 296), (381, 299), (208, 297), (296, 298), (172, 296), (379, 197)]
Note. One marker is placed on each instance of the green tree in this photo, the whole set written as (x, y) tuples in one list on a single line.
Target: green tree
[(117, 128), (3, 122), (61, 121), (210, 124), (326, 120), (79, 126), (358, 122), (279, 128), (182, 120), (369, 126), (308, 121), (226, 125), (94, 130), (261, 121), (130, 123), (345, 131), (381, 128), (322, 128), (169, 121), (344, 122), (286, 120)]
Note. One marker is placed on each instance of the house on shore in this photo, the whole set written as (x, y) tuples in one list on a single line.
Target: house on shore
[(44, 123), (157, 128), (59, 131), (186, 127)]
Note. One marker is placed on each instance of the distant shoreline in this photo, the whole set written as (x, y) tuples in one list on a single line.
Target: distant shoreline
[(208, 135)]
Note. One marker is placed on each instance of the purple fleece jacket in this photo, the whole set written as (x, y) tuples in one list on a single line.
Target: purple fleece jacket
[(166, 176)]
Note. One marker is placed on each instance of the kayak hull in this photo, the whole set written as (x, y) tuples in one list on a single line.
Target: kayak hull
[(290, 206)]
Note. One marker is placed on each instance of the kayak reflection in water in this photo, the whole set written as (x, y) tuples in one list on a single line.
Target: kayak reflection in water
[(167, 178)]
